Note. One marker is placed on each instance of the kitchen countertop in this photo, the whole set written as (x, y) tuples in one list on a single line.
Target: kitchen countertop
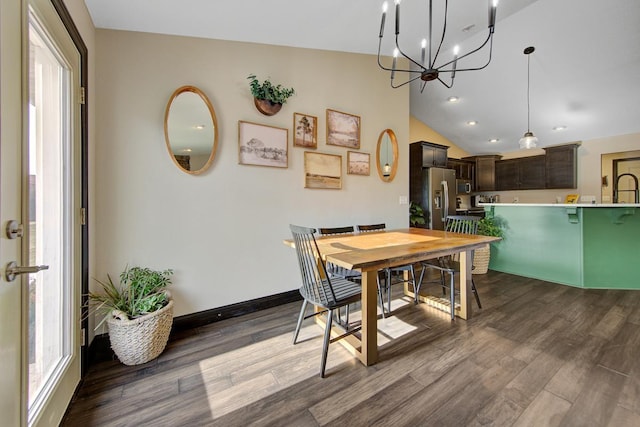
[(568, 205)]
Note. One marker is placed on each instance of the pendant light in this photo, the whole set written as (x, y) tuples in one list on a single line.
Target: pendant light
[(386, 169), (529, 140)]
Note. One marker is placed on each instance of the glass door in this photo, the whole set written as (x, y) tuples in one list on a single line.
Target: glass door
[(51, 217)]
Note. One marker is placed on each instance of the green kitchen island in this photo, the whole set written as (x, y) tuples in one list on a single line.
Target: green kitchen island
[(585, 245)]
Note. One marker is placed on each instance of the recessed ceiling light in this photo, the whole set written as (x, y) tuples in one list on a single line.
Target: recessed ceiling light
[(453, 99), (472, 122), (186, 150), (559, 127), (199, 127), (494, 140)]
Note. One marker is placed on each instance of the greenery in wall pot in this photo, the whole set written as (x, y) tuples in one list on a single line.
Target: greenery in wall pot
[(487, 226), (416, 214), (268, 98), (138, 312)]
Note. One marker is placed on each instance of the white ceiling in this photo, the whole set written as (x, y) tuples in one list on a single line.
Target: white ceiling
[(584, 72)]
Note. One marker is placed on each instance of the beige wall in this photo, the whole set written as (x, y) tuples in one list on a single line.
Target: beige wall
[(419, 131), (222, 231)]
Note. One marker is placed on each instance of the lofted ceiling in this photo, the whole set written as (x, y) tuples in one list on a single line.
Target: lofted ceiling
[(584, 73)]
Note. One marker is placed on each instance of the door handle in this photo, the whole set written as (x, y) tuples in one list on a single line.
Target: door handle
[(12, 270)]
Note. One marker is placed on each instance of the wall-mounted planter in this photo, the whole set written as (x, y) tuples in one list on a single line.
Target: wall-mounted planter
[(266, 107)]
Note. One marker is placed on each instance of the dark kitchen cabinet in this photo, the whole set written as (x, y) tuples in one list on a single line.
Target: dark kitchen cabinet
[(525, 173), (506, 174), (485, 172), (465, 169), (433, 155), (561, 166)]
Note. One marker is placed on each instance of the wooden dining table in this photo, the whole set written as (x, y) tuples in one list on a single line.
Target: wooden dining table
[(373, 251)]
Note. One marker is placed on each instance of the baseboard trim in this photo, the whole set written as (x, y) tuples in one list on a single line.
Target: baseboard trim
[(100, 348)]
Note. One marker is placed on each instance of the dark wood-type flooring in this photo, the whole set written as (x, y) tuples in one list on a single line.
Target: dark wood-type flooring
[(537, 354)]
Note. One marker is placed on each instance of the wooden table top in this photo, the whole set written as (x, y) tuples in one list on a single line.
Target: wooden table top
[(390, 248)]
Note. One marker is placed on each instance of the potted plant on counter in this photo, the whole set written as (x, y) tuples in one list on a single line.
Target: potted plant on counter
[(138, 312), (416, 214), (487, 226), (268, 98)]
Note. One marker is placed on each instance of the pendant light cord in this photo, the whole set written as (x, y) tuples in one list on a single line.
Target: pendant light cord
[(528, 92)]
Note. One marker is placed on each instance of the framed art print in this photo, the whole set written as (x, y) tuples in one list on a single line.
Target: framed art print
[(343, 129), (322, 170), (305, 130), (262, 145), (358, 163)]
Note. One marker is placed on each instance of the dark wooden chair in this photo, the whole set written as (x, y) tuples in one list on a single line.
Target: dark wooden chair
[(335, 270), (450, 265), (319, 289)]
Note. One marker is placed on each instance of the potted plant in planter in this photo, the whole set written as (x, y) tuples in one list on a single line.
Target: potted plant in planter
[(138, 312), (416, 214), (268, 98), (487, 226)]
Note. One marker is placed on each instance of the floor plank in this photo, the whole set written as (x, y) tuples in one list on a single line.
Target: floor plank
[(538, 353)]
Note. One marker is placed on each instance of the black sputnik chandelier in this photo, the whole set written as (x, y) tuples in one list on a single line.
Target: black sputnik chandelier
[(426, 69)]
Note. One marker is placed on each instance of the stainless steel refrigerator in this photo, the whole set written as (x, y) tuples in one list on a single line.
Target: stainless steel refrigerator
[(439, 187)]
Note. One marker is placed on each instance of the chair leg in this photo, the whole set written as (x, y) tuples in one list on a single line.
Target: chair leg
[(300, 319), (416, 287), (346, 309), (380, 299), (452, 296), (325, 345), (388, 284), (475, 292)]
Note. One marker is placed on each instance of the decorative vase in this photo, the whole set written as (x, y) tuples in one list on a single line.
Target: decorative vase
[(139, 340), (267, 107), (481, 258)]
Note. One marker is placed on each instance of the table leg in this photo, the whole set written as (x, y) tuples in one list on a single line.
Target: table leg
[(466, 262), (369, 352)]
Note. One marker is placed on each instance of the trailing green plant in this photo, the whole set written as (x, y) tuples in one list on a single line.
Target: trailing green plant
[(416, 214), (140, 291), (491, 226), (266, 90)]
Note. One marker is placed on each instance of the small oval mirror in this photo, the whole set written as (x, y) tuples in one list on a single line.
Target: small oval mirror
[(191, 130), (387, 155)]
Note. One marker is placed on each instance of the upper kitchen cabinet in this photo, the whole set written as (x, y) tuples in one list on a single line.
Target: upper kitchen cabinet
[(464, 168), (433, 155), (562, 166), (524, 173), (485, 172)]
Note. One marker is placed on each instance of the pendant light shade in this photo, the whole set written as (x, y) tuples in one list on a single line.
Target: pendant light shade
[(529, 140)]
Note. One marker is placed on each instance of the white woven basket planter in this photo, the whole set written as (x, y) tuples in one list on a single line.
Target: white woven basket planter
[(140, 340), (481, 260)]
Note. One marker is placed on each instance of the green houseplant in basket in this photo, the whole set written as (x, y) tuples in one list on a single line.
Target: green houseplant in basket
[(138, 312), (487, 226)]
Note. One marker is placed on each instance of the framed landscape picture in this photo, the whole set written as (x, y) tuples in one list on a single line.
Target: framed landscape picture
[(305, 130), (262, 145), (322, 170), (358, 163), (343, 129)]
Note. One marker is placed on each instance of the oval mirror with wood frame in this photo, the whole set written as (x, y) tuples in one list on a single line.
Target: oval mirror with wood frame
[(191, 130), (387, 155)]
